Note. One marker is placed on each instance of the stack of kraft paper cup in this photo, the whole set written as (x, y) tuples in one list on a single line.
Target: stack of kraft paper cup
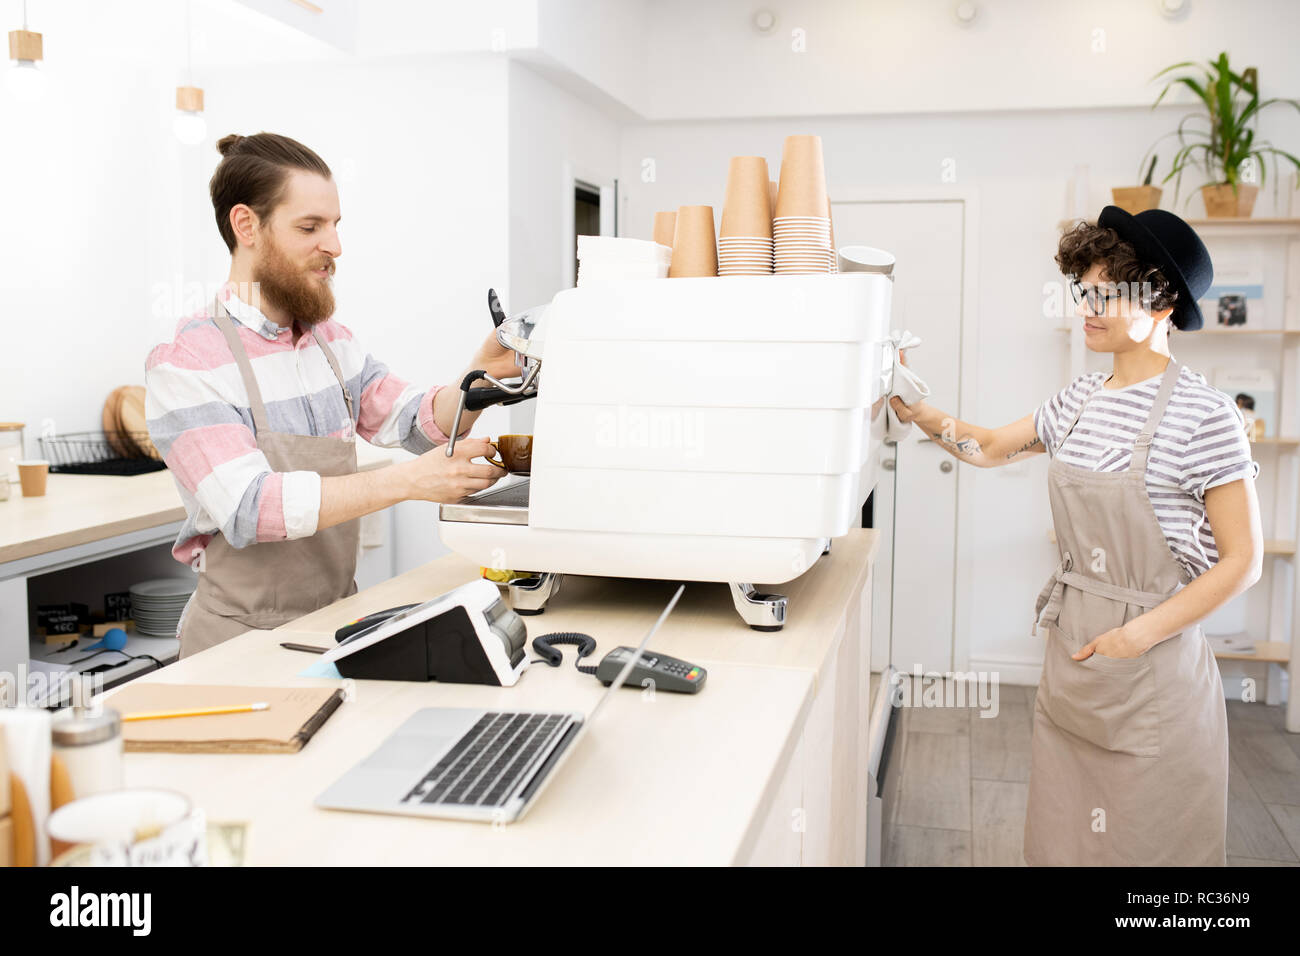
[(695, 250), (745, 234), (801, 227)]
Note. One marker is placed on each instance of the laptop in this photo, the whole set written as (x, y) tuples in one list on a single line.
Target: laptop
[(469, 764)]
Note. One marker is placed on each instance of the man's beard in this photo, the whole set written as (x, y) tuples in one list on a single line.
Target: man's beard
[(301, 296)]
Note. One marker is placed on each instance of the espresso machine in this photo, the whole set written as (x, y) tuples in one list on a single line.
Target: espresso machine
[(721, 429)]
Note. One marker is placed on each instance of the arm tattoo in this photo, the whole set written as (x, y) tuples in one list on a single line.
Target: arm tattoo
[(967, 446), (1023, 448)]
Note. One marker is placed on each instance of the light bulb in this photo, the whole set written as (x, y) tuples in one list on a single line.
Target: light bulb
[(26, 81), (190, 128)]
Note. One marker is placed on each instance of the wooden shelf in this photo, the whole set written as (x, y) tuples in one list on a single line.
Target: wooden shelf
[(1268, 652), (1276, 441)]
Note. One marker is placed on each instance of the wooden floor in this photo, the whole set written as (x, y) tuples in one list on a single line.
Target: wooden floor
[(965, 777)]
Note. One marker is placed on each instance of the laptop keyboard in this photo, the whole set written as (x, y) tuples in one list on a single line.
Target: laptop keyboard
[(484, 765)]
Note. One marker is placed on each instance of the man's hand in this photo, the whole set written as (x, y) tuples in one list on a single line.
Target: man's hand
[(435, 477), (495, 359)]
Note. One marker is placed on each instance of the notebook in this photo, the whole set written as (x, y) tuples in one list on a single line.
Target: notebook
[(294, 715)]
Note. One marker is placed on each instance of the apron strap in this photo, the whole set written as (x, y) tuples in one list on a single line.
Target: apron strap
[(256, 405), (338, 373), (1142, 446), (1047, 609)]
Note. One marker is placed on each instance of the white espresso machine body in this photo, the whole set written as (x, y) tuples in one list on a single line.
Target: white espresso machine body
[(710, 429)]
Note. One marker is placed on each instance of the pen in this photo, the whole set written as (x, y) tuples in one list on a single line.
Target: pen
[(200, 712), (309, 648)]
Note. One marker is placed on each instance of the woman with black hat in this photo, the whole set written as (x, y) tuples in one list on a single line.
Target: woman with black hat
[(1153, 500)]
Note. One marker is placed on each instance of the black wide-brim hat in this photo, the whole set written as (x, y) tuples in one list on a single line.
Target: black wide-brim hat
[(1165, 241)]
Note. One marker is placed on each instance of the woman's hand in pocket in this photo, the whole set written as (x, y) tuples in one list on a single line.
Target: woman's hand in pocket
[(1117, 643)]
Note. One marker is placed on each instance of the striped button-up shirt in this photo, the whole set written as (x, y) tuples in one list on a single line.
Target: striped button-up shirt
[(199, 418)]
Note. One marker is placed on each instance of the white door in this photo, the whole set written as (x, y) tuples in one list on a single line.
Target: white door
[(916, 503)]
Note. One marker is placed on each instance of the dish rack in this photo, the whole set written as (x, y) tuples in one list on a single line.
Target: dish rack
[(99, 453)]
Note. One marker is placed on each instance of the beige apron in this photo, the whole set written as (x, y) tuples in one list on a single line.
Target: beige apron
[(268, 584), (1129, 759)]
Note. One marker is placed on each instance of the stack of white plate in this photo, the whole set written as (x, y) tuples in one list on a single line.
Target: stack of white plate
[(156, 605), (607, 257), (803, 245)]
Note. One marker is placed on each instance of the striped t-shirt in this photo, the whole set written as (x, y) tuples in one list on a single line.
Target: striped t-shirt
[(1199, 442)]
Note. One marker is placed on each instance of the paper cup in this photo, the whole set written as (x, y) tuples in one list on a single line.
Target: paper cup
[(802, 187), (695, 251), (33, 474), (865, 259), (136, 827), (665, 223), (831, 223), (747, 210)]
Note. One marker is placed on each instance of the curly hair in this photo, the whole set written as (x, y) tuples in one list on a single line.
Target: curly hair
[(1088, 243)]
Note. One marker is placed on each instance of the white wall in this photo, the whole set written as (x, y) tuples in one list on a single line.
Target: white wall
[(98, 198), (89, 224), (902, 56)]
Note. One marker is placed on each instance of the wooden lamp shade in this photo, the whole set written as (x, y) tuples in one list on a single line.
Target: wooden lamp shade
[(189, 98), (24, 45)]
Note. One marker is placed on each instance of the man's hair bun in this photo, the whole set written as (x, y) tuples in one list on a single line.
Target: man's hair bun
[(227, 144)]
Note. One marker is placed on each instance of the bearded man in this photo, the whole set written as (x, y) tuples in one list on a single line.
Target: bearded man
[(257, 401)]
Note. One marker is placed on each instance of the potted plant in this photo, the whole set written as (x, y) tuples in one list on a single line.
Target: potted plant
[(1136, 199), (1225, 148)]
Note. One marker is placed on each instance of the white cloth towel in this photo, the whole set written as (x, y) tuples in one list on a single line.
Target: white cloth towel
[(901, 381)]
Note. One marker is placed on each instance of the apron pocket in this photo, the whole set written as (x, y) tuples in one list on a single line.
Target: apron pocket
[(1108, 701)]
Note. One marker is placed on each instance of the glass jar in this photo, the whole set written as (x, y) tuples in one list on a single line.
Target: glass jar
[(91, 749)]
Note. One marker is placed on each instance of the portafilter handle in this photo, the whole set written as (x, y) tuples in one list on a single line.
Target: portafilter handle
[(477, 399)]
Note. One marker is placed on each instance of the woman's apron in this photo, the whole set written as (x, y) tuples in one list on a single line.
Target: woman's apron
[(1129, 759), (270, 583)]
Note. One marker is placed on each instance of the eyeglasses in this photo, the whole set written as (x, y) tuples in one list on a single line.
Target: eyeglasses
[(1097, 300)]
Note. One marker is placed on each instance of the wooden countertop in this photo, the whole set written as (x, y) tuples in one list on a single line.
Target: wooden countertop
[(77, 509), (704, 626), (666, 778)]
